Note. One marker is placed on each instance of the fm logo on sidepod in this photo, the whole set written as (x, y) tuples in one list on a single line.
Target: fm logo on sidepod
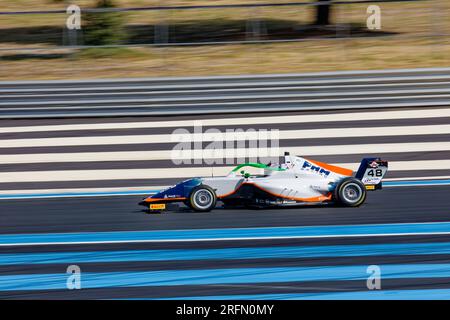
[(310, 167)]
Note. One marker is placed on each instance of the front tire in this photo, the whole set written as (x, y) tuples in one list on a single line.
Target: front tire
[(350, 192), (202, 198)]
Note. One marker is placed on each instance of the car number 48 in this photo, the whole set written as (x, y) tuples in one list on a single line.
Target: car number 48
[(375, 173)]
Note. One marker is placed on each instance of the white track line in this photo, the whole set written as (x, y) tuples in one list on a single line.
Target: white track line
[(337, 235), (362, 149), (80, 190), (98, 175), (95, 191), (418, 178), (352, 116), (185, 136)]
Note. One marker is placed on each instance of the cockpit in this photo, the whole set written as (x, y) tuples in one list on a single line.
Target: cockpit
[(256, 170)]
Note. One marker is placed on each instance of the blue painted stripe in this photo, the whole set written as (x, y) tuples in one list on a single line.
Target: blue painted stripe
[(411, 183), (226, 254), (227, 234), (427, 294), (221, 276)]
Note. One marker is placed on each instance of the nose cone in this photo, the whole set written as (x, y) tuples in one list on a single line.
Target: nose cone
[(178, 191)]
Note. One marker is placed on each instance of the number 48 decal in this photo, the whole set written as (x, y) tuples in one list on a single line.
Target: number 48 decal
[(375, 173)]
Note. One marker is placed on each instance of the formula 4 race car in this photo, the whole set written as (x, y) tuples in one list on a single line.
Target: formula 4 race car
[(297, 181)]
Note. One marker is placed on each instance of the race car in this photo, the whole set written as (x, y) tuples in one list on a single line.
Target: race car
[(295, 181)]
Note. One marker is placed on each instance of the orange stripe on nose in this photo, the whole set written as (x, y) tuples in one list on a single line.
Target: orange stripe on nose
[(149, 200)]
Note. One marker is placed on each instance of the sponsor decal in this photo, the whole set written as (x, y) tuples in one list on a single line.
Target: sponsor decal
[(157, 206), (373, 164), (274, 202), (312, 167), (371, 180)]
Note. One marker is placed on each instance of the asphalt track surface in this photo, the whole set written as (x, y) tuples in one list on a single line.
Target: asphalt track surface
[(216, 277), (92, 214)]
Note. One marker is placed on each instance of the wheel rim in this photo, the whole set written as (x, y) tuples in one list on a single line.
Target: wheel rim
[(203, 198), (352, 192)]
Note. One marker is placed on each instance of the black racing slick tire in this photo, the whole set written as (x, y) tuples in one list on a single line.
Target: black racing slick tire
[(202, 198), (350, 192)]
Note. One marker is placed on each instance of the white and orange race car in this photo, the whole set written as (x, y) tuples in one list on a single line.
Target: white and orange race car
[(296, 181)]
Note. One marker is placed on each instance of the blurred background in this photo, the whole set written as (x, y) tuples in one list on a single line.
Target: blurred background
[(134, 38), (76, 157)]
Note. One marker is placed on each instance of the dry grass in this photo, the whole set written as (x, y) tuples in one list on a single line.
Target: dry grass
[(413, 19), (8, 5), (229, 59)]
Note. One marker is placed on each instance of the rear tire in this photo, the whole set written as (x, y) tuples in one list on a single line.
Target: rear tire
[(350, 192), (202, 198)]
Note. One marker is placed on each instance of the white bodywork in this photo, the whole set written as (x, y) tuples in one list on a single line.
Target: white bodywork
[(297, 179)]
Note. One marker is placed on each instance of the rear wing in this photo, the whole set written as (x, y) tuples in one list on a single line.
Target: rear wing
[(371, 172)]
